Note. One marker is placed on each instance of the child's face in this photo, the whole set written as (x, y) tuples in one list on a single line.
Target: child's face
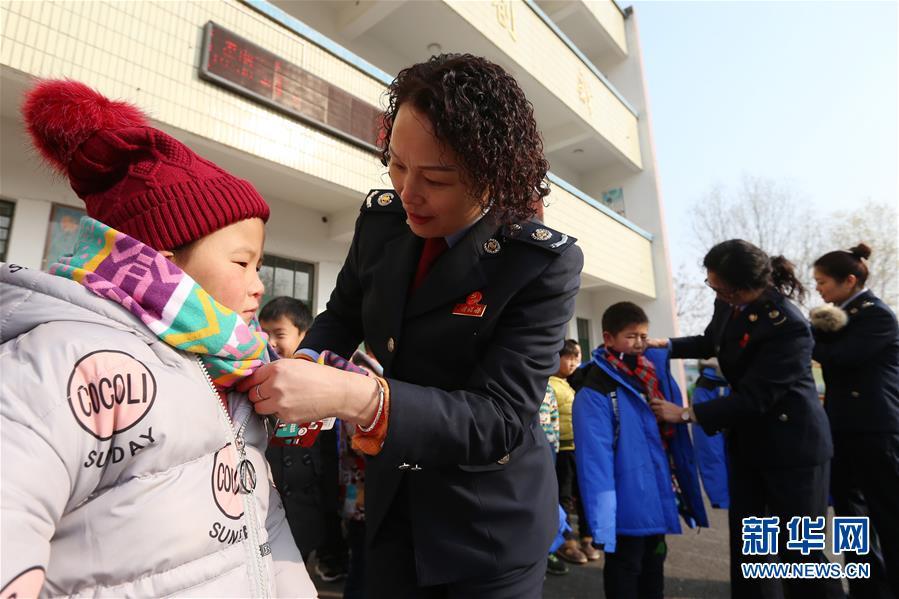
[(569, 363), (630, 340), (283, 335), (225, 263)]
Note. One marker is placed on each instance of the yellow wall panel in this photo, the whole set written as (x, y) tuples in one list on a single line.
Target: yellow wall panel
[(612, 252), (518, 32)]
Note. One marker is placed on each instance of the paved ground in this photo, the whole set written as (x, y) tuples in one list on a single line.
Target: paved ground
[(697, 567)]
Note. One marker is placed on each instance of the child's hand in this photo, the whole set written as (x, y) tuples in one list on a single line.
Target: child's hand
[(666, 411)]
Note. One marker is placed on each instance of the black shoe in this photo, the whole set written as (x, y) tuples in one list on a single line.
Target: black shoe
[(555, 566), (330, 571)]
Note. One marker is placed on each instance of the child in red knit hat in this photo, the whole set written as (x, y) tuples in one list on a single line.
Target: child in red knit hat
[(130, 461)]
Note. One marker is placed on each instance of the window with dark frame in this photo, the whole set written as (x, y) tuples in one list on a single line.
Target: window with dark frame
[(7, 209), (583, 338), (285, 276), (62, 233)]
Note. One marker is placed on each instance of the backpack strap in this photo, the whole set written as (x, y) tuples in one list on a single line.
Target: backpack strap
[(616, 421)]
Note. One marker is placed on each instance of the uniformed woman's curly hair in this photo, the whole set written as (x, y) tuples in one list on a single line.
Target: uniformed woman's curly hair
[(481, 112)]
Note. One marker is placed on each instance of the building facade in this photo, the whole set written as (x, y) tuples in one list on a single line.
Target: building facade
[(286, 94)]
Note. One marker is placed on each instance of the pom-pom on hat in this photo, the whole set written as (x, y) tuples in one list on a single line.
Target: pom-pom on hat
[(131, 176)]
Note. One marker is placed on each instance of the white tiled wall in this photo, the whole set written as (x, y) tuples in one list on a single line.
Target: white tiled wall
[(148, 52)]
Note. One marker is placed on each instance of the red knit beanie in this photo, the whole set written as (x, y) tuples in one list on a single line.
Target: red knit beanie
[(132, 177)]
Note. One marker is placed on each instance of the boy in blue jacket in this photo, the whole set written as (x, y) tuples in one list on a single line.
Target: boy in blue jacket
[(637, 475)]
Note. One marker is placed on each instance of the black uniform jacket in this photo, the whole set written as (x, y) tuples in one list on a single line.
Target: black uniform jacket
[(773, 417), (465, 389), (861, 368)]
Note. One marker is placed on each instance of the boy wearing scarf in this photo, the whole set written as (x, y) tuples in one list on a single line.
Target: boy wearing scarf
[(131, 465), (636, 475)]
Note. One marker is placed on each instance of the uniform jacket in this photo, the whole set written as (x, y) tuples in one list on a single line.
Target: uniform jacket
[(623, 470), (119, 461), (464, 389), (773, 416), (710, 451), (860, 363)]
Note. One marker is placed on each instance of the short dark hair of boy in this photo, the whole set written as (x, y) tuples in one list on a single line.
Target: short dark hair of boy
[(570, 348), (296, 312), (618, 317)]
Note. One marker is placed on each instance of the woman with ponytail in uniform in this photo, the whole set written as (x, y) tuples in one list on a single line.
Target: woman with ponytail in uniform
[(857, 345), (777, 437)]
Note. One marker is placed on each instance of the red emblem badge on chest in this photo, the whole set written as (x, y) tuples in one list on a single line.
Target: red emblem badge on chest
[(472, 306)]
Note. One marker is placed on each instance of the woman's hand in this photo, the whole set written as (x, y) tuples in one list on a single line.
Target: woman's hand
[(657, 343), (666, 411), (303, 391)]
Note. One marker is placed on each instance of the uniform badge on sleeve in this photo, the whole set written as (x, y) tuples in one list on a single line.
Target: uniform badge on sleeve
[(472, 306), (542, 234), (491, 246), (774, 315)]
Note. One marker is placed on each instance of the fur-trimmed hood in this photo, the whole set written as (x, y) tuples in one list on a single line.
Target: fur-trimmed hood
[(828, 318)]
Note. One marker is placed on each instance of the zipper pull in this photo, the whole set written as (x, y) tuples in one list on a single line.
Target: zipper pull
[(246, 476)]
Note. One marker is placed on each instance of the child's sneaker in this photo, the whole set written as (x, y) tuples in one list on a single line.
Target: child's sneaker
[(555, 566), (330, 570)]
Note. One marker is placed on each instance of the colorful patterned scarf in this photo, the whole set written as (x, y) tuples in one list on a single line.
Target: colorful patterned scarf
[(166, 299)]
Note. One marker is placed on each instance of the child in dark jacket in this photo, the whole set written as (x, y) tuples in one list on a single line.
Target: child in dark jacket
[(306, 477), (636, 475)]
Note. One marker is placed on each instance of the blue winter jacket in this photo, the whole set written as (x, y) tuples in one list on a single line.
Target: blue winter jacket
[(623, 472), (564, 527), (710, 453)]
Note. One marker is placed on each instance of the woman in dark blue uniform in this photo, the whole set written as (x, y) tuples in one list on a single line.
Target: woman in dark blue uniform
[(777, 436), (857, 345), (464, 299)]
